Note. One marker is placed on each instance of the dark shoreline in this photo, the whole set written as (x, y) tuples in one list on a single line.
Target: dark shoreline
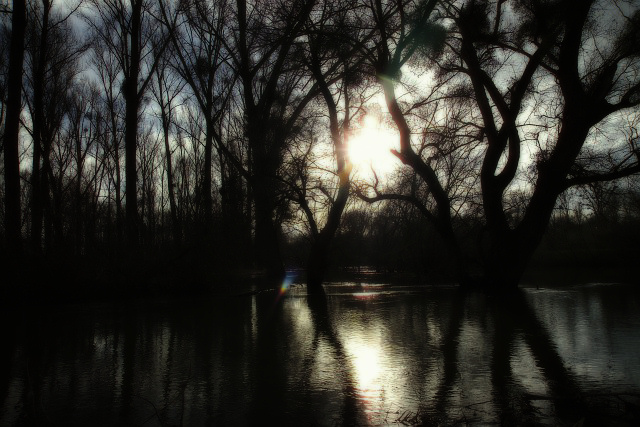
[(55, 285)]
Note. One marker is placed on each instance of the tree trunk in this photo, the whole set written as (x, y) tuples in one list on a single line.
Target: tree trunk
[(207, 201), (317, 266), (263, 165), (502, 263), (118, 185), (175, 226), (131, 199), (508, 252), (511, 250), (267, 246), (319, 255), (12, 130), (78, 204), (37, 180), (115, 146), (232, 198), (36, 192), (132, 102), (47, 183)]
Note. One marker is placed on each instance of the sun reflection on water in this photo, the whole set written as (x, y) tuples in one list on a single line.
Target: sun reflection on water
[(366, 295), (368, 361)]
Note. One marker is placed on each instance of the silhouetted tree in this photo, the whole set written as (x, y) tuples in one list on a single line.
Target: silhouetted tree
[(107, 70), (149, 161), (511, 114), (133, 36), (53, 51), (273, 96), (165, 88), (12, 223), (330, 55), (200, 58), (512, 59), (85, 127), (5, 36)]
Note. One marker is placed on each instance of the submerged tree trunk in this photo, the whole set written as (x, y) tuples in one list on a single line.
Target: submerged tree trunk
[(320, 248), (264, 162), (319, 256), (234, 228), (317, 265), (502, 265)]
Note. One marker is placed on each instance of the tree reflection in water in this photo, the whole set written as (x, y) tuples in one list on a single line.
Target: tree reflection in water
[(361, 355), (510, 316)]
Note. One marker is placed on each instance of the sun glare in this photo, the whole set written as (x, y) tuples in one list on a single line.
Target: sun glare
[(366, 360), (370, 148)]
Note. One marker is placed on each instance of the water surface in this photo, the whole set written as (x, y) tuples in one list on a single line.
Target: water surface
[(367, 355)]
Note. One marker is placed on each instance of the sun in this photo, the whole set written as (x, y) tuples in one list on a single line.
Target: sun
[(370, 148)]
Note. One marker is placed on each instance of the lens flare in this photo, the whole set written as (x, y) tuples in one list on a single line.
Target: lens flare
[(286, 284)]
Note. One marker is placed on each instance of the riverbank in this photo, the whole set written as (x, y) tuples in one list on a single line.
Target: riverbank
[(55, 279)]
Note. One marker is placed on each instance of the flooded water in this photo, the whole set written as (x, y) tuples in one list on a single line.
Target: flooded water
[(367, 355)]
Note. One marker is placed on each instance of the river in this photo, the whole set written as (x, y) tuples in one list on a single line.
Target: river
[(368, 354)]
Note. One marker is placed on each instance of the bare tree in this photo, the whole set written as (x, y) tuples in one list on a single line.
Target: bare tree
[(106, 68), (544, 76), (84, 128), (166, 88), (52, 55), (200, 58), (133, 36), (12, 129), (262, 37), (330, 55)]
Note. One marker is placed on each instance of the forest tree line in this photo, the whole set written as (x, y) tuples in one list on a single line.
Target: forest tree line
[(216, 133)]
